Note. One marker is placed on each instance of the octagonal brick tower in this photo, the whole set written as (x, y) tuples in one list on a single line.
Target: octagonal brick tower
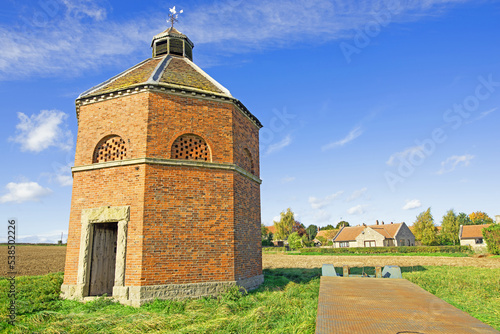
[(166, 190)]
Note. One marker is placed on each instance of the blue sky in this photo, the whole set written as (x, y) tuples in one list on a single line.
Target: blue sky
[(371, 109)]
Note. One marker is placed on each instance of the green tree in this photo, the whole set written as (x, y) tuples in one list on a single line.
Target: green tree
[(264, 231), (341, 224), (479, 218), (294, 241), (424, 229), (328, 227), (449, 228), (491, 236), (312, 231), (285, 226), (463, 219)]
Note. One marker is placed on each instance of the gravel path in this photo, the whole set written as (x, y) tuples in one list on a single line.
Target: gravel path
[(270, 261)]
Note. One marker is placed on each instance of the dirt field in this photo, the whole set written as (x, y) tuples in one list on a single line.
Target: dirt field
[(34, 260), (40, 260), (316, 261)]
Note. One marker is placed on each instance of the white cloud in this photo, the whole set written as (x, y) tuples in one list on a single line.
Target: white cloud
[(319, 203), (486, 113), (288, 179), (322, 216), (356, 194), (403, 155), (279, 145), (412, 204), (43, 130), (24, 192), (355, 133), (77, 36), (453, 162), (356, 210)]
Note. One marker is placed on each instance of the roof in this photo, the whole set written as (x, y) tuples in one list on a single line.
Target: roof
[(350, 233), (271, 229), (171, 31), (472, 231), (165, 71), (328, 234)]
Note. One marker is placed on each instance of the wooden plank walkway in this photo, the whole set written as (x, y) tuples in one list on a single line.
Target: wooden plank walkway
[(358, 305)]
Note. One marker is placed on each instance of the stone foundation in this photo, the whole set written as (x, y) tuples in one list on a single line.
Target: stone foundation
[(139, 295)]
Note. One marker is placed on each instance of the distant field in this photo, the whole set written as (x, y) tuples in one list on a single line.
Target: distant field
[(35, 259)]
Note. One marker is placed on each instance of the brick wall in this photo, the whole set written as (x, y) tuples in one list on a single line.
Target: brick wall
[(187, 224), (118, 186)]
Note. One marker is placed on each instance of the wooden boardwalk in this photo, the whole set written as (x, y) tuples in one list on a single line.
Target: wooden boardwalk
[(358, 305)]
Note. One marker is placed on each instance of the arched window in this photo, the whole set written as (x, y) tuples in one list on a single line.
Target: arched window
[(248, 162), (190, 147), (110, 148)]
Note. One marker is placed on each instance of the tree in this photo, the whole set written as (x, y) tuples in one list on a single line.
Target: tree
[(312, 231), (463, 219), (328, 227), (294, 241), (450, 228), (264, 231), (341, 224), (479, 218), (286, 224), (299, 228), (424, 229), (492, 237)]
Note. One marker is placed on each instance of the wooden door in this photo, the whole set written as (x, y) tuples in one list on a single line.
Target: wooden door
[(103, 259)]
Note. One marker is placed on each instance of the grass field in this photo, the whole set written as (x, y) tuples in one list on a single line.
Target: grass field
[(285, 303)]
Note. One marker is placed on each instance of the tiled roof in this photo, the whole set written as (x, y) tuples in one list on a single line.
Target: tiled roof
[(180, 72), (350, 233), (271, 229), (328, 234), (473, 231), (167, 70)]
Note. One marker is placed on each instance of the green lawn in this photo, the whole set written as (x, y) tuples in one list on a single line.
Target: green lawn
[(285, 303)]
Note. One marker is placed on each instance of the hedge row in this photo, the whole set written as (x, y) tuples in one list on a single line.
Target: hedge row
[(378, 250), (273, 249)]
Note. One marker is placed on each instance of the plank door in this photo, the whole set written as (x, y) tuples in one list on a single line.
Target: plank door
[(103, 259)]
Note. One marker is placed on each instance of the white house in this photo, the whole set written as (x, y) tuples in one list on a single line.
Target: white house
[(472, 235), (379, 235)]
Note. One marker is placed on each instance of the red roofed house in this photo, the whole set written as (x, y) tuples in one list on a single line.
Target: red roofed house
[(379, 235), (327, 234), (472, 235)]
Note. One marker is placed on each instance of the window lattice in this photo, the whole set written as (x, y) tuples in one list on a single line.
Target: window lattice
[(110, 149), (190, 147)]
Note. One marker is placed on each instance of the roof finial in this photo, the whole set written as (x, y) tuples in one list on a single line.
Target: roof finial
[(173, 16)]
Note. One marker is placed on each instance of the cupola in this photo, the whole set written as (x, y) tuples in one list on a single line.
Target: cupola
[(172, 41)]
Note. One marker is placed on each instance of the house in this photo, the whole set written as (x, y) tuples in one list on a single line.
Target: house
[(326, 234), (472, 235), (379, 235)]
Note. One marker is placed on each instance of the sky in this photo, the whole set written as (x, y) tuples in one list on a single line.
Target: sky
[(372, 110)]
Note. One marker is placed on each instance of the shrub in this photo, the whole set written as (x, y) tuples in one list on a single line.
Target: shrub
[(492, 237), (379, 250), (294, 241)]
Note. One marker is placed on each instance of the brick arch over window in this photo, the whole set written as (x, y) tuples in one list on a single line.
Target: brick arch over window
[(190, 147), (110, 148), (248, 162)]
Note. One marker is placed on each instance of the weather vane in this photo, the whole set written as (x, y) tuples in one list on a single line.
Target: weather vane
[(173, 16)]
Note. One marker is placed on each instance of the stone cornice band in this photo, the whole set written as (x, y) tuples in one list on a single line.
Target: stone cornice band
[(167, 162)]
